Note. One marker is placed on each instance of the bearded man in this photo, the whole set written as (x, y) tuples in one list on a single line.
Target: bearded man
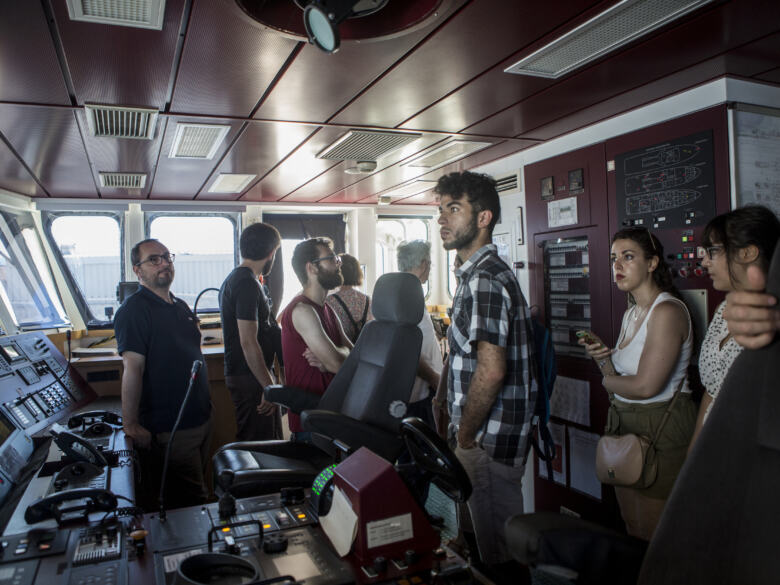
[(314, 344)]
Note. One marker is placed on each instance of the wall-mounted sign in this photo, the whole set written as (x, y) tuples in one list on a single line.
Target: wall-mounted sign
[(548, 188), (576, 181)]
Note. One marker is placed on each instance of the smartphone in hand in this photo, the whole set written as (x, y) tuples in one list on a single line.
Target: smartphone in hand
[(588, 336)]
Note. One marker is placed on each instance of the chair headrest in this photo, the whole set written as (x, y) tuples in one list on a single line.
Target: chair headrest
[(398, 297)]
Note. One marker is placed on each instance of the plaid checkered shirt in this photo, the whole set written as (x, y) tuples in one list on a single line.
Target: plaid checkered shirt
[(489, 306)]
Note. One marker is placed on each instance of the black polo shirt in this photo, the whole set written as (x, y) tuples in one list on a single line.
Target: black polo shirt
[(167, 334)]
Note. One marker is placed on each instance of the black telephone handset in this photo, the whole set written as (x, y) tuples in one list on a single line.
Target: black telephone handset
[(86, 500), (94, 416), (77, 448)]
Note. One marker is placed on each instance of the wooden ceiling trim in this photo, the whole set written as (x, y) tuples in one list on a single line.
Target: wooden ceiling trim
[(15, 176), (119, 65), (305, 93), (29, 67), (425, 76), (228, 61), (683, 46), (50, 145)]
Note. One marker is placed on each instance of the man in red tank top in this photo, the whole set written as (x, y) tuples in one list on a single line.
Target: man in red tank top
[(314, 344)]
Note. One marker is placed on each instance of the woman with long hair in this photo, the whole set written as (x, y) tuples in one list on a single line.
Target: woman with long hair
[(733, 242), (352, 307), (645, 370)]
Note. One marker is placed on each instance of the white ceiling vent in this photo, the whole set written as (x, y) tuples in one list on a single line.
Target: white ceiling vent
[(616, 26), (199, 141), (231, 183), (447, 153), (366, 145), (413, 188), (123, 180), (508, 184), (120, 122), (135, 13)]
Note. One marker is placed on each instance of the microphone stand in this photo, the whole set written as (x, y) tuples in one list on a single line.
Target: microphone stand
[(196, 365)]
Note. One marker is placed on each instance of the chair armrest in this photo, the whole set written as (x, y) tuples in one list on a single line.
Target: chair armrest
[(296, 399), (353, 432)]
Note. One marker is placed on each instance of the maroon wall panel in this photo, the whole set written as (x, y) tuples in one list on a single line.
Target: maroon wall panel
[(711, 119), (29, 70), (14, 176)]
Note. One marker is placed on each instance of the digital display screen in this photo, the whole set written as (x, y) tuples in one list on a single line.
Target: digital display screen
[(6, 428), (11, 352)]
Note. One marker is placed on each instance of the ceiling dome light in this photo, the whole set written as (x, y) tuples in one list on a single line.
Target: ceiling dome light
[(322, 31)]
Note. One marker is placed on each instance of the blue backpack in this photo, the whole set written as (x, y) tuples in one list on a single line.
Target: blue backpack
[(546, 373)]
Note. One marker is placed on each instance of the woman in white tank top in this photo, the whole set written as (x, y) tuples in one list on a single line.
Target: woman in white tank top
[(645, 369)]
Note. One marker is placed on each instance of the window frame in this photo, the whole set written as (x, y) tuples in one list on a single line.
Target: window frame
[(233, 216), (425, 219), (52, 324), (47, 219)]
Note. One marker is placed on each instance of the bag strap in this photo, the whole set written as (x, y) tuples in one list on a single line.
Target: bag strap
[(365, 314), (346, 310), (668, 411)]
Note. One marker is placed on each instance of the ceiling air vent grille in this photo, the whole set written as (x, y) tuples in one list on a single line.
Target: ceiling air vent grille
[(366, 145), (447, 153), (123, 180), (616, 26), (135, 13), (199, 141), (120, 122), (508, 184)]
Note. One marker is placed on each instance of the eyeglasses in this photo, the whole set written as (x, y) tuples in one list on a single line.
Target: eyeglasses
[(335, 257), (708, 251), (157, 259)]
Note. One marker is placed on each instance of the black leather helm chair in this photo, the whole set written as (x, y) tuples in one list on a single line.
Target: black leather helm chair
[(362, 407)]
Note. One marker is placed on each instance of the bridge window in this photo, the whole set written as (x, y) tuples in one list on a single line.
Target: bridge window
[(452, 283), (90, 247), (391, 231), (206, 251), (26, 286)]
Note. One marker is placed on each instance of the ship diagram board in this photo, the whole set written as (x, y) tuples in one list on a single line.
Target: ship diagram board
[(671, 184), (758, 158)]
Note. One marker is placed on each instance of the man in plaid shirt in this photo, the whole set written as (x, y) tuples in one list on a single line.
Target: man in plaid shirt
[(491, 387)]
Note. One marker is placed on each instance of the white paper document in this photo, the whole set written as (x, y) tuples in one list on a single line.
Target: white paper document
[(340, 524), (582, 462), (562, 212), (570, 400)]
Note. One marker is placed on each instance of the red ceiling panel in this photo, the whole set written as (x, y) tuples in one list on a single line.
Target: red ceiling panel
[(181, 178), (120, 64), (29, 70), (48, 141), (228, 61), (478, 37), (259, 148), (14, 176), (317, 85), (679, 47)]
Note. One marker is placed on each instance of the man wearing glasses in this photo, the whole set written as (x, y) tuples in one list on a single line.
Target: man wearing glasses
[(158, 338), (314, 344)]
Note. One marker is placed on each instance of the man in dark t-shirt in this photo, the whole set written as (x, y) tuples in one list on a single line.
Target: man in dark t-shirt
[(245, 318), (159, 339)]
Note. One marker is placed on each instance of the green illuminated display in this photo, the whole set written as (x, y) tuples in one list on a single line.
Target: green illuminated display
[(324, 476)]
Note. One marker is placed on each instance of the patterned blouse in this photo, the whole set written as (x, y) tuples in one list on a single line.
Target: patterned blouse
[(356, 302), (715, 361)]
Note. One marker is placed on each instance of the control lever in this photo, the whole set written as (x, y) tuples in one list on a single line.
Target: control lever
[(231, 525)]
